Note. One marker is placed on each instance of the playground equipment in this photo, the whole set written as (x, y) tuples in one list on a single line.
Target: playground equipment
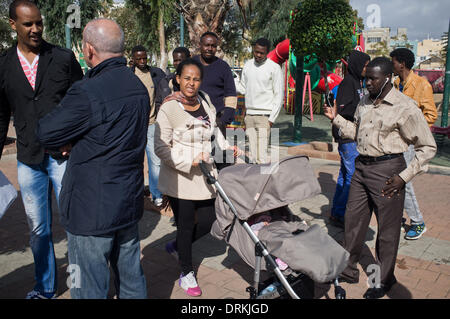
[(314, 72)]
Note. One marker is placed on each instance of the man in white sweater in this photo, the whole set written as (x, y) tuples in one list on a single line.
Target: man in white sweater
[(262, 85)]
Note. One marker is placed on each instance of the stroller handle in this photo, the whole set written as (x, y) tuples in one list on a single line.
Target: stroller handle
[(209, 178)]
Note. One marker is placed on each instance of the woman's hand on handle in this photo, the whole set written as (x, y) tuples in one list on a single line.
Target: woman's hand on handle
[(237, 152), (202, 157)]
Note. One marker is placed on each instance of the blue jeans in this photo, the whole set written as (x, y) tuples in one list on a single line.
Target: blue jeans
[(411, 204), (348, 154), (154, 163), (91, 256), (36, 189)]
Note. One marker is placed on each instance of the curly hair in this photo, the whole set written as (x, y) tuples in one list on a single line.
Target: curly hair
[(263, 42), (404, 55), (138, 48), (182, 50)]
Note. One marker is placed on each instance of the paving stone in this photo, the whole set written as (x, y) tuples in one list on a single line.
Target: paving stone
[(422, 268)]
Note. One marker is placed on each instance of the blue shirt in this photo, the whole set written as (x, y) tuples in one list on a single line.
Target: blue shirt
[(218, 82)]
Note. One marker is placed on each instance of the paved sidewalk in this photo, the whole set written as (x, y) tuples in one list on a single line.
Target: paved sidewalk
[(423, 266)]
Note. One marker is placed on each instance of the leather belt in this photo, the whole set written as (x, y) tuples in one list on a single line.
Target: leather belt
[(371, 159)]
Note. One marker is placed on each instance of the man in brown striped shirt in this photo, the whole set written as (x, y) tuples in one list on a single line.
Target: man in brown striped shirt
[(386, 122)]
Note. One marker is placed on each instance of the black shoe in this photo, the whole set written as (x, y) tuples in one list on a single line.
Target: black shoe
[(146, 191), (337, 221), (374, 293)]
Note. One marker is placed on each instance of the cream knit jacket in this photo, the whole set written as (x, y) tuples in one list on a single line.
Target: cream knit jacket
[(179, 138)]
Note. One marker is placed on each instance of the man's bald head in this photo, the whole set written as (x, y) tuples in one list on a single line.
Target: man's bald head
[(105, 35)]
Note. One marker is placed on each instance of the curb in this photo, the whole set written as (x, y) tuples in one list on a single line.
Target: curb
[(322, 150)]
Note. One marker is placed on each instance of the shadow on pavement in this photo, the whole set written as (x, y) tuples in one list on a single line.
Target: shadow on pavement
[(14, 231), (19, 282)]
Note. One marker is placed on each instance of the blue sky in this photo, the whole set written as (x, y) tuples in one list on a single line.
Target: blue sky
[(423, 18)]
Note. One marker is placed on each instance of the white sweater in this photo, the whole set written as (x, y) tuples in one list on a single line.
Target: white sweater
[(262, 86)]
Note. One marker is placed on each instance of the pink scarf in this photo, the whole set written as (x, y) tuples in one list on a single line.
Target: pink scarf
[(180, 97)]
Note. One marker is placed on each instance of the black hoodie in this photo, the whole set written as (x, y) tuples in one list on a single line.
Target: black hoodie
[(350, 90)]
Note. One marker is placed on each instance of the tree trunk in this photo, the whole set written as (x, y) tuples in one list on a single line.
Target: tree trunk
[(202, 16), (162, 43)]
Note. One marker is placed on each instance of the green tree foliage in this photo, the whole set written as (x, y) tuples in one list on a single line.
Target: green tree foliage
[(6, 38), (322, 28), (270, 19), (126, 17), (232, 33), (55, 17), (157, 21)]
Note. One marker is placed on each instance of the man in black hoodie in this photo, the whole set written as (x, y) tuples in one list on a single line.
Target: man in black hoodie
[(169, 84), (349, 93)]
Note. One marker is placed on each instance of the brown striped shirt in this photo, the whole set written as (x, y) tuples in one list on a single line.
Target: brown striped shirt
[(388, 128)]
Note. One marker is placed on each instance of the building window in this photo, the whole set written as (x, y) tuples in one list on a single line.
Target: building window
[(374, 39)]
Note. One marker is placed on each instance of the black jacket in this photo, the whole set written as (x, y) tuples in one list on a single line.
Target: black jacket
[(350, 90), (164, 89), (58, 69), (105, 117), (156, 73)]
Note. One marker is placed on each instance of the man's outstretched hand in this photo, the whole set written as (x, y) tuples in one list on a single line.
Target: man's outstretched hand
[(330, 111)]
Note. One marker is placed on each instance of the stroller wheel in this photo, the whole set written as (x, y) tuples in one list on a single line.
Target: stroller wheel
[(252, 292), (339, 292)]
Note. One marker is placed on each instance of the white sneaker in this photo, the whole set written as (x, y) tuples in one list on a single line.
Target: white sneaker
[(158, 202), (189, 285)]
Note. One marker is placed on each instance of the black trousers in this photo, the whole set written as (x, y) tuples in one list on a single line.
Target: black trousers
[(194, 219), (364, 198)]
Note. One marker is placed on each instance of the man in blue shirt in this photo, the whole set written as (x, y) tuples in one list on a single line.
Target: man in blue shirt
[(218, 81)]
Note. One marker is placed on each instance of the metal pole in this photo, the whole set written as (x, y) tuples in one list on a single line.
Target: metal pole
[(68, 39), (299, 82), (445, 101), (181, 30)]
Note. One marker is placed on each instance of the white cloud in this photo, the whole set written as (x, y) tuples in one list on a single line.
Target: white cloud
[(422, 18)]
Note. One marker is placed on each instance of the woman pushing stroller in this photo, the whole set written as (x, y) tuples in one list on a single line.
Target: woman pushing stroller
[(185, 130)]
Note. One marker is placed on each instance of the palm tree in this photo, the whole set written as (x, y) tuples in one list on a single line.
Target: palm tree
[(153, 19), (202, 16)]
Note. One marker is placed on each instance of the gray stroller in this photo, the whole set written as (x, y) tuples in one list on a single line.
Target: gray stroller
[(253, 217)]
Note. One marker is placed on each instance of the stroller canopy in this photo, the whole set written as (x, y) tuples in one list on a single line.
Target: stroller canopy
[(254, 189)]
